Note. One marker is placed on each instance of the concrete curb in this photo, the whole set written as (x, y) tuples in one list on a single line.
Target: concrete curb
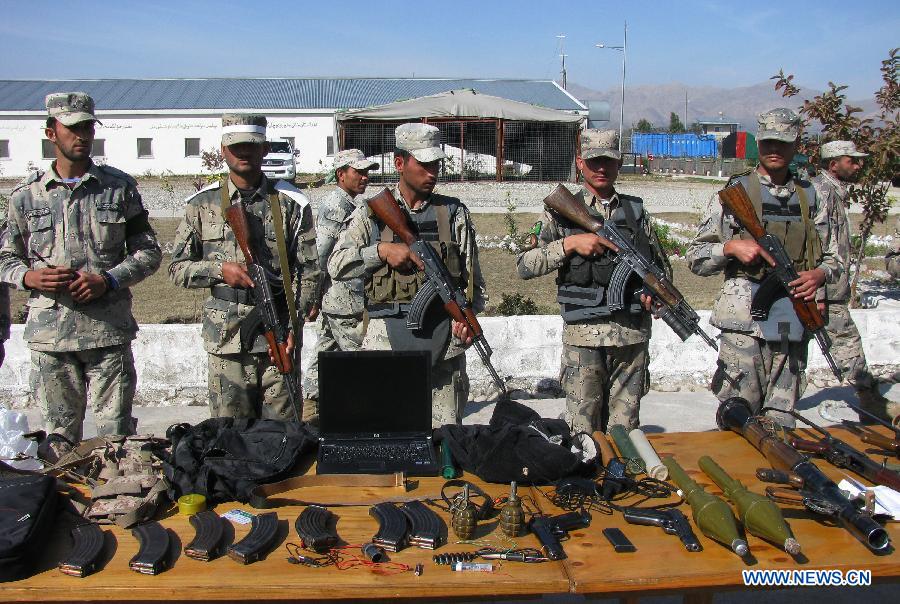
[(172, 364)]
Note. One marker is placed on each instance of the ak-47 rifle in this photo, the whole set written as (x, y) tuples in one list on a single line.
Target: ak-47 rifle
[(275, 329), (675, 310), (841, 455), (735, 198), (438, 282)]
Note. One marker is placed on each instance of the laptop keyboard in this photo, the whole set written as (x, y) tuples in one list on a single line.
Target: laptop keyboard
[(414, 452)]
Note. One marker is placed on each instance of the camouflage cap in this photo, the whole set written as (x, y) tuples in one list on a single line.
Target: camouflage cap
[(353, 158), (70, 108), (839, 149), (243, 128), (600, 143), (423, 141), (780, 124)]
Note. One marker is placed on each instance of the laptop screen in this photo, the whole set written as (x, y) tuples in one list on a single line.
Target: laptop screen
[(374, 392)]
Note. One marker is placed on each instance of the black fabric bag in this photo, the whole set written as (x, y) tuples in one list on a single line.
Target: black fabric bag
[(224, 458), (28, 508), (518, 444)]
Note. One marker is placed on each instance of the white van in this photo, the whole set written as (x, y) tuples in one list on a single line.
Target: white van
[(279, 162)]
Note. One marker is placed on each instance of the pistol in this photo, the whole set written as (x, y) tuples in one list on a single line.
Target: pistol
[(671, 521), (549, 530)]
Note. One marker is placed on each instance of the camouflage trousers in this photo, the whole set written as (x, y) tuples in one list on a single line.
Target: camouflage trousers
[(846, 347), (604, 385), (247, 385), (449, 391), (334, 332), (64, 382), (761, 373)]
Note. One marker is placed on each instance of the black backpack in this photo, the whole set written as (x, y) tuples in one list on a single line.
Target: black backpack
[(224, 458), (518, 445), (28, 508)]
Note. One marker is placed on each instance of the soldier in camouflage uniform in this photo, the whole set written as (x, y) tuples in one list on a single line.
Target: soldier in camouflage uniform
[(368, 250), (764, 361), (5, 316), (605, 353), (243, 382), (78, 238), (892, 258), (343, 302), (840, 163)]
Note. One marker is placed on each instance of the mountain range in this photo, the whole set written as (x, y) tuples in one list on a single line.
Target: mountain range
[(743, 104)]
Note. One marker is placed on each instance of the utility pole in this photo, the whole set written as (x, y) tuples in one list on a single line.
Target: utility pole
[(685, 110), (623, 48), (562, 56)]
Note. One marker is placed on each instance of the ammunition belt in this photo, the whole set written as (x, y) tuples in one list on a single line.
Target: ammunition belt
[(312, 526), (209, 528), (426, 529), (258, 541), (392, 526), (87, 545), (232, 294), (153, 556)]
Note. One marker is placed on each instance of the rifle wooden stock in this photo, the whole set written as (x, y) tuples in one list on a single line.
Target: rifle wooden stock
[(735, 198), (564, 203), (882, 442), (389, 212), (237, 220)]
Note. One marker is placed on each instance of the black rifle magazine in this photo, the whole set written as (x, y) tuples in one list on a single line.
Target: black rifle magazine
[(206, 545), (153, 556), (87, 546), (313, 526), (426, 529), (392, 526), (259, 541)]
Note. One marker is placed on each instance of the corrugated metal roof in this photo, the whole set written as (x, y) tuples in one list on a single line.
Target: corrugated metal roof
[(271, 93), (719, 119)]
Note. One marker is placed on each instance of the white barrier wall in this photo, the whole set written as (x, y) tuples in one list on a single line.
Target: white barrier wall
[(171, 363)]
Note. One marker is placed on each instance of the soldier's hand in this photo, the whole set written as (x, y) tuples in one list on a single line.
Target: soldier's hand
[(587, 245), (747, 251), (461, 330), (399, 256), (236, 275), (806, 284), (288, 346), (647, 303), (87, 287), (49, 279), (313, 313)]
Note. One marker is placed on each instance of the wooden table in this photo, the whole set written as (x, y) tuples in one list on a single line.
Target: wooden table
[(661, 564)]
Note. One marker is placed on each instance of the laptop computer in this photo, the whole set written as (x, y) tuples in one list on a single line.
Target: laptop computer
[(375, 413)]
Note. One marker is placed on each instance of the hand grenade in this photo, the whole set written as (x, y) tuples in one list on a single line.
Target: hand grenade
[(512, 516), (464, 517)]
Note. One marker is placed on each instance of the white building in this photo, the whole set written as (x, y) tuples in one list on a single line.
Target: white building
[(159, 126)]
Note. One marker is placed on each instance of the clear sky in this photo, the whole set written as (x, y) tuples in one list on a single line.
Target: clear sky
[(695, 42)]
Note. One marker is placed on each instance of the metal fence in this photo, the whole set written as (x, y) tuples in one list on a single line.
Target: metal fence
[(477, 149)]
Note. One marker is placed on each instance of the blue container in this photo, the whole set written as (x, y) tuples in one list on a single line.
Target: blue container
[(674, 145)]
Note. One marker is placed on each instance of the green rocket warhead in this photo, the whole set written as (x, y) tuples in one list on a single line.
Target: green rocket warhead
[(759, 514), (712, 516)]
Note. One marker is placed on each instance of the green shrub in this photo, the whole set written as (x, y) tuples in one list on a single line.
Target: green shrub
[(516, 304)]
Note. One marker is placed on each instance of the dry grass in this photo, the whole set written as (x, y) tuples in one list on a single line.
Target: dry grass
[(157, 300)]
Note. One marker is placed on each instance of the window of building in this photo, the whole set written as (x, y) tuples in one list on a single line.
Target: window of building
[(145, 147), (329, 145), (48, 149), (4, 149), (192, 147), (98, 148)]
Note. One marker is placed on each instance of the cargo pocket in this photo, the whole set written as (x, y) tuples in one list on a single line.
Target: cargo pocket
[(40, 229), (109, 232)]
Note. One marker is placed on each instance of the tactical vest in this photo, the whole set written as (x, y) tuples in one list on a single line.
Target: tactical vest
[(582, 283), (791, 221), (434, 224)]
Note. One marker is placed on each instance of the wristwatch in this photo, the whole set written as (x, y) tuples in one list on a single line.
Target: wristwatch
[(111, 283)]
